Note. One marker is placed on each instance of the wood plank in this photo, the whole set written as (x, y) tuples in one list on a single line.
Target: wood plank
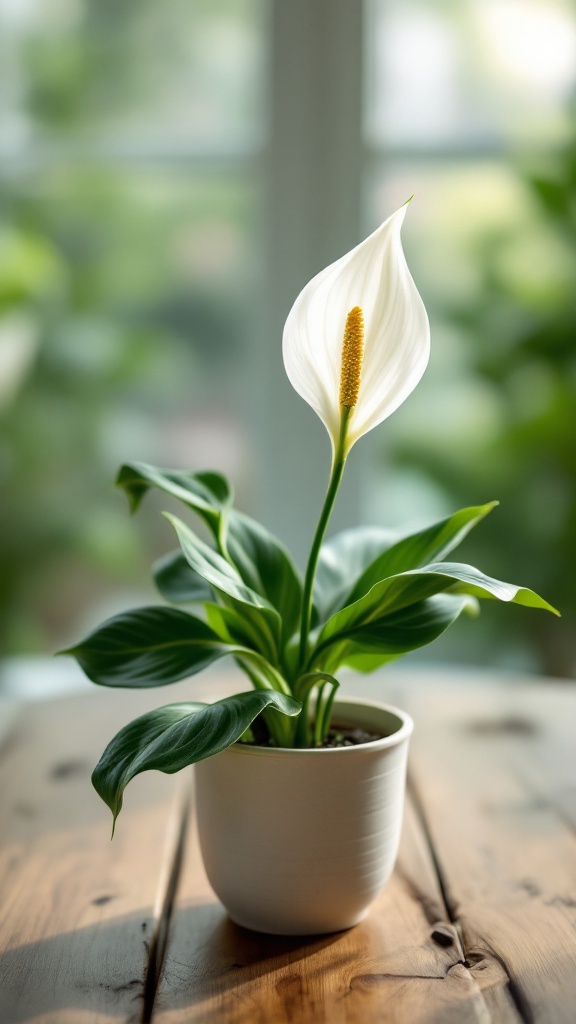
[(494, 804), (387, 969), (495, 770), (78, 912)]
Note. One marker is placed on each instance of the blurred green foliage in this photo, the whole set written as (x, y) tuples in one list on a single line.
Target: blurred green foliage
[(126, 271), (518, 331), (124, 281), (103, 345)]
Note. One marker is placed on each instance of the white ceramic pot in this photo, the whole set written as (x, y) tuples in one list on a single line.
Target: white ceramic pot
[(300, 842)]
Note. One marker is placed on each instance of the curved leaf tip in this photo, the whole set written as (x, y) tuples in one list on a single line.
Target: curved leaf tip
[(177, 735)]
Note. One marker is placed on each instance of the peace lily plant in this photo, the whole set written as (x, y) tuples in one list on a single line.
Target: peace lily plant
[(356, 343)]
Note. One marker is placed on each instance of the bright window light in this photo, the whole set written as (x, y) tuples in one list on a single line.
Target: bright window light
[(534, 43)]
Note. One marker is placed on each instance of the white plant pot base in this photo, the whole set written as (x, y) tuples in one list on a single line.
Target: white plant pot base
[(300, 842)]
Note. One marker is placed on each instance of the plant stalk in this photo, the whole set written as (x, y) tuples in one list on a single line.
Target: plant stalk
[(333, 485)]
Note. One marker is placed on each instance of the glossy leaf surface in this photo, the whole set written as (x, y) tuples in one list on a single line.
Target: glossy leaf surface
[(355, 560), (405, 589), (381, 640), (148, 647), (226, 579), (266, 567), (417, 549), (178, 582), (209, 494), (263, 563), (177, 735), (343, 559)]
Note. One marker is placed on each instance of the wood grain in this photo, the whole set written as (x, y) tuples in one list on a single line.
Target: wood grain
[(93, 931), (494, 770), (78, 912), (388, 969)]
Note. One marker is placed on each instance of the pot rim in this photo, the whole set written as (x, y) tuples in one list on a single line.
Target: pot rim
[(394, 739)]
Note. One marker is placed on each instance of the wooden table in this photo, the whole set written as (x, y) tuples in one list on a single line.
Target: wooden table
[(130, 930)]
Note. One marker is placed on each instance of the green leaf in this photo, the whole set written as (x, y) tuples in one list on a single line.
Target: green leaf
[(469, 580), (266, 567), (178, 582), (417, 549), (262, 561), (364, 662), (226, 579), (231, 626), (343, 558), (172, 737), (209, 494), (366, 648), (405, 589), (148, 647), (353, 561)]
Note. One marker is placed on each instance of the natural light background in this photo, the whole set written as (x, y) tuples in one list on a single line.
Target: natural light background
[(128, 269), (471, 106), (133, 270)]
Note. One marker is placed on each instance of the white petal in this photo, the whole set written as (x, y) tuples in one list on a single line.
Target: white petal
[(374, 276)]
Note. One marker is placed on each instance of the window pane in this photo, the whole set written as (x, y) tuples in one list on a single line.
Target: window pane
[(491, 241), (129, 257), (132, 74), (476, 72)]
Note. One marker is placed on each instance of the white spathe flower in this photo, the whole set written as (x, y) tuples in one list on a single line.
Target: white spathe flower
[(375, 277)]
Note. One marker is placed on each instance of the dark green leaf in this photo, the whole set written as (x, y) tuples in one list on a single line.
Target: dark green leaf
[(226, 579), (342, 560), (209, 494), (178, 582), (172, 737), (380, 641), (266, 567), (404, 589), (148, 647), (417, 549), (213, 567), (263, 563), (353, 561)]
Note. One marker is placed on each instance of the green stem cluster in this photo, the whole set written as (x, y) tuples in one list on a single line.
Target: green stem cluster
[(264, 677), (301, 732)]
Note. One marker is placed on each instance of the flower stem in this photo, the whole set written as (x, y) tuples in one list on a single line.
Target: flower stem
[(333, 485)]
